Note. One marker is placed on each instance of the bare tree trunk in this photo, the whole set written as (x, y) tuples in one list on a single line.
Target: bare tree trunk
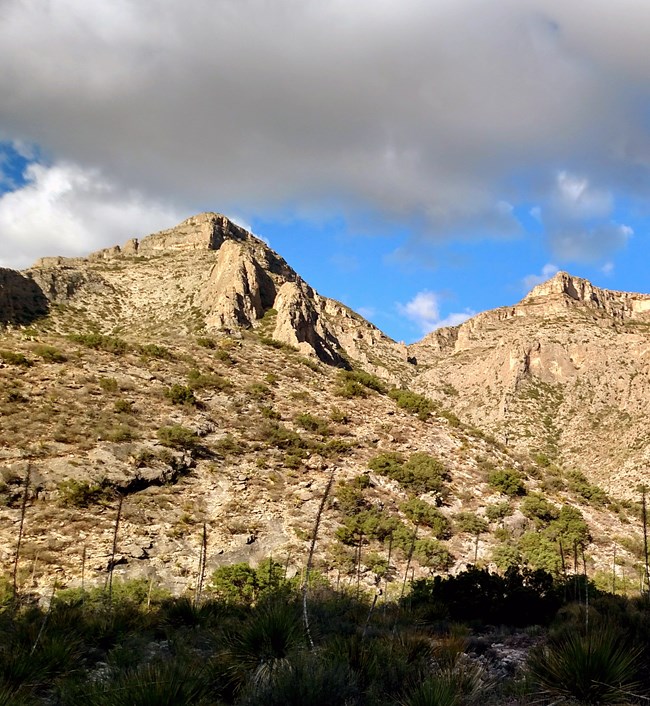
[(23, 509), (202, 560), (111, 564), (310, 558), (644, 518)]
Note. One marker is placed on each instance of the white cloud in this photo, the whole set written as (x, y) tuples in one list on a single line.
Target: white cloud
[(424, 311), (607, 268), (530, 281), (421, 113), (66, 210)]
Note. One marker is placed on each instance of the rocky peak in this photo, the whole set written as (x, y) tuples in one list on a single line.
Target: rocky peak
[(619, 305)]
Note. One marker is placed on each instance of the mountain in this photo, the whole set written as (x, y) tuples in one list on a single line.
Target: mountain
[(563, 374), (197, 377)]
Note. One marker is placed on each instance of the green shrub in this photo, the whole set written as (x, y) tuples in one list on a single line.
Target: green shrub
[(470, 523), (97, 341), (258, 391), (197, 380), (309, 422), (181, 395), (372, 382), (506, 556), (536, 507), (153, 350), (432, 554), (349, 495), (585, 490), (13, 358), (339, 417), (75, 493), (350, 389), (569, 527), (498, 511), (597, 668), (279, 345), (177, 437), (108, 384), (279, 436), (413, 403), (122, 406), (423, 514), (49, 354), (507, 481), (120, 433), (421, 473), (206, 342)]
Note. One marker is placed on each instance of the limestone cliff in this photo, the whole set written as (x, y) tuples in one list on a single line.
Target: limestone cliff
[(208, 272)]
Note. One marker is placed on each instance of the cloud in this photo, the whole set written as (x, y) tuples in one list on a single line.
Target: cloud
[(434, 115), (424, 311), (65, 210), (530, 281)]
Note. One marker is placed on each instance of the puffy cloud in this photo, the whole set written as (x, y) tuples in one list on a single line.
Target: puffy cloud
[(424, 311), (530, 281), (445, 115), (66, 210)]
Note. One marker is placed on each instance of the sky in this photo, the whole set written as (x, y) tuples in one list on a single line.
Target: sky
[(418, 160)]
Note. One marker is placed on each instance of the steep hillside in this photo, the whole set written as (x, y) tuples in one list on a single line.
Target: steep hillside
[(563, 374), (193, 380)]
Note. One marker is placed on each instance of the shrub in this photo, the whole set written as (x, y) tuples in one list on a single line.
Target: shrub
[(206, 342), (537, 507), (592, 494), (153, 350), (507, 481), (339, 417), (279, 345), (75, 493), (498, 511), (108, 384), (177, 437), (421, 473), (49, 354), (569, 527), (372, 382), (181, 395), (350, 389), (349, 495), (470, 523), (432, 554), (412, 402), (122, 406), (309, 422), (258, 391), (97, 341), (13, 358), (596, 668), (199, 381), (423, 514)]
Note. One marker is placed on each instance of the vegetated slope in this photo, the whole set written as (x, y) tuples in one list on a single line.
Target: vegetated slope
[(563, 374), (184, 373)]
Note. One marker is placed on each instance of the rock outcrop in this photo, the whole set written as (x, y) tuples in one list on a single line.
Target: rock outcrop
[(21, 299)]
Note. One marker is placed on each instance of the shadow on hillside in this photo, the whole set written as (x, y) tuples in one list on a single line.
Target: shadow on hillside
[(22, 301)]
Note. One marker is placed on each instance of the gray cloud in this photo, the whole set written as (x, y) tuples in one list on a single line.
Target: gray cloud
[(439, 114)]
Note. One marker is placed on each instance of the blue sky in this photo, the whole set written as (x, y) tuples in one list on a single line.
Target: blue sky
[(418, 161)]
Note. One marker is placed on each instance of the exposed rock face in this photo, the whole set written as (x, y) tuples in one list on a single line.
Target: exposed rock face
[(558, 372), (564, 287), (214, 268), (21, 299), (299, 322), (238, 291)]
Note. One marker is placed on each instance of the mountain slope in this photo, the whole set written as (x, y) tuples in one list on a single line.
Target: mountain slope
[(563, 373), (196, 375)]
